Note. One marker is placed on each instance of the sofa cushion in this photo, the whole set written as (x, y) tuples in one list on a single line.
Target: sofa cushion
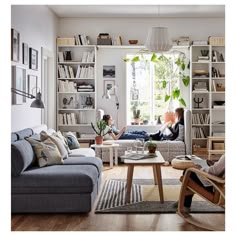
[(22, 156), (181, 133), (46, 152), (88, 152), (25, 133), (80, 177), (72, 140), (14, 137)]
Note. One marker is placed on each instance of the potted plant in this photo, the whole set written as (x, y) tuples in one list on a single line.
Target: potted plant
[(100, 130), (136, 116), (152, 147)]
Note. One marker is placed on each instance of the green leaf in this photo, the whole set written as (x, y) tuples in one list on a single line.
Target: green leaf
[(126, 59), (167, 97), (181, 100), (154, 57), (164, 83), (176, 93), (136, 59), (178, 62), (186, 80), (182, 66)]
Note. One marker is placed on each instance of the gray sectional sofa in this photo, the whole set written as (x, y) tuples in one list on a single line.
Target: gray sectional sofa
[(168, 149), (71, 187)]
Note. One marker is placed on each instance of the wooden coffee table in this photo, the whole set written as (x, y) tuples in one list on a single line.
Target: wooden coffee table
[(155, 162)]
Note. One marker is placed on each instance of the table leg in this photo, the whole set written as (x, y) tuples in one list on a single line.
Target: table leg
[(111, 157), (158, 180), (129, 182), (116, 156)]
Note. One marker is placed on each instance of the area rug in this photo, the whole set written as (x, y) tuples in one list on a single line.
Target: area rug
[(145, 198)]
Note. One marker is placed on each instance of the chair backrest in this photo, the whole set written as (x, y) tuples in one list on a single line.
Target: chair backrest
[(187, 131)]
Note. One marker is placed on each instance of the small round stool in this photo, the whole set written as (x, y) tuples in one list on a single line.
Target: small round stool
[(181, 163)]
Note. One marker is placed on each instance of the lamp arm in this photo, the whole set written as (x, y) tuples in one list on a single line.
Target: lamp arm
[(22, 93)]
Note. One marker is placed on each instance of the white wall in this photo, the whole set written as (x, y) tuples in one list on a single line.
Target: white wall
[(37, 26), (132, 28)]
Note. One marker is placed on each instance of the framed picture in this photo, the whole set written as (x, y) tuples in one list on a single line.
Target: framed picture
[(108, 84), (32, 84), (33, 59), (15, 45), (67, 101), (109, 72), (25, 53), (19, 83)]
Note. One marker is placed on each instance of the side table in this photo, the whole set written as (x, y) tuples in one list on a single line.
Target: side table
[(110, 147)]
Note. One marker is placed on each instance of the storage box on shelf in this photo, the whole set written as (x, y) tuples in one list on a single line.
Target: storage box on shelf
[(207, 95), (216, 147), (76, 89)]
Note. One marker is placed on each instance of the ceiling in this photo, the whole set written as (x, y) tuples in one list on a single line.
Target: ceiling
[(209, 11)]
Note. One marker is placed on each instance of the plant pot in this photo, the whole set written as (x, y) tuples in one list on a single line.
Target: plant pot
[(152, 149), (98, 140), (136, 121), (169, 116)]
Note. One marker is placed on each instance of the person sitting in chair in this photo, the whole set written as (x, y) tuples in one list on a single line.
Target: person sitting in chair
[(115, 134), (173, 131)]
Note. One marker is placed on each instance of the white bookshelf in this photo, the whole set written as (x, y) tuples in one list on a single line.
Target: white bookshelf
[(207, 86)]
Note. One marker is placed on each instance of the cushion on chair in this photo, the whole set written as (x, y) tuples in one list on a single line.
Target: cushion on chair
[(181, 133)]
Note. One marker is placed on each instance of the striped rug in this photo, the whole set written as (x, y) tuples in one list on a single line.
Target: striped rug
[(145, 198)]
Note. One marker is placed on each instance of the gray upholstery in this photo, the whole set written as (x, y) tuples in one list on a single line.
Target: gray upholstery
[(71, 187), (187, 131), (22, 156)]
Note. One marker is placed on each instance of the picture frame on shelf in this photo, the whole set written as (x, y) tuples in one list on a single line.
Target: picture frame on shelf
[(19, 83), (108, 84), (15, 45), (25, 53), (109, 71), (33, 59), (32, 84)]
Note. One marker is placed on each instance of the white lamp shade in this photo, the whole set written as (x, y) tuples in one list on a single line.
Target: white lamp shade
[(158, 40)]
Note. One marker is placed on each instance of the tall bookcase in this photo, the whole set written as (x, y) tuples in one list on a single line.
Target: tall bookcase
[(76, 89), (207, 95)]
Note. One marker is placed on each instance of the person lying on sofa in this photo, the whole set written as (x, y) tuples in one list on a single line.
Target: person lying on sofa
[(167, 132), (115, 134)]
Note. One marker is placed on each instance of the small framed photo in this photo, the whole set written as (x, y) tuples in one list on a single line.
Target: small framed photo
[(18, 83), (109, 84), (33, 59), (25, 54), (15, 45), (109, 72), (32, 84)]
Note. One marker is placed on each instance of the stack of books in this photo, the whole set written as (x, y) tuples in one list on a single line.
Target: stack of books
[(200, 42), (203, 59), (200, 87)]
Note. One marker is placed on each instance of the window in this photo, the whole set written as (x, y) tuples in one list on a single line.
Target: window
[(148, 83)]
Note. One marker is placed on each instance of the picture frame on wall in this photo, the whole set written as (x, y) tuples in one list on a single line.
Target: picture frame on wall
[(19, 83), (109, 71), (108, 84), (15, 45), (33, 59), (25, 54), (32, 84)]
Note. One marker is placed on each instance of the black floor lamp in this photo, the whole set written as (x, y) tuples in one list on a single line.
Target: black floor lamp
[(37, 103)]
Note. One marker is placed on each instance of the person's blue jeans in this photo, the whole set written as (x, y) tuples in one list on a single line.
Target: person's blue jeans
[(135, 134)]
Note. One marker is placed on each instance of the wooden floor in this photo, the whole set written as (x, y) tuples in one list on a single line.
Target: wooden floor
[(112, 222)]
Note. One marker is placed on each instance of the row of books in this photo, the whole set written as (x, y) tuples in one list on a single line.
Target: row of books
[(88, 56), (67, 119), (82, 39), (85, 72), (217, 57), (198, 133), (67, 86), (201, 118), (65, 71)]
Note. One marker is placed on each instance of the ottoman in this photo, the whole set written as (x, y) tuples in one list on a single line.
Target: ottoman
[(182, 162)]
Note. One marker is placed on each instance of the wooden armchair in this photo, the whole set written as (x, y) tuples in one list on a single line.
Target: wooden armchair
[(189, 186)]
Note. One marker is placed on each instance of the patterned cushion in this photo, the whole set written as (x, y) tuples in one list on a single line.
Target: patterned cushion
[(46, 152), (181, 133), (64, 140), (72, 140), (56, 139)]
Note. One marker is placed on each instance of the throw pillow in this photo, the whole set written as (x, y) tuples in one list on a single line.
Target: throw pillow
[(181, 133), (54, 137), (72, 140), (64, 140), (46, 152)]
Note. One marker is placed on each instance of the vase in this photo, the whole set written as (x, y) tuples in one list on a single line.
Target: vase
[(136, 121), (99, 140), (152, 149)]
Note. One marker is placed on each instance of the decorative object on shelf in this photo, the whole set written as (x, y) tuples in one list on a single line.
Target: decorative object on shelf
[(25, 54), (89, 101), (204, 53), (67, 101), (104, 39), (152, 147), (198, 101), (68, 56), (109, 87), (18, 83), (33, 59), (101, 130), (32, 83), (15, 45), (133, 41), (109, 71)]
